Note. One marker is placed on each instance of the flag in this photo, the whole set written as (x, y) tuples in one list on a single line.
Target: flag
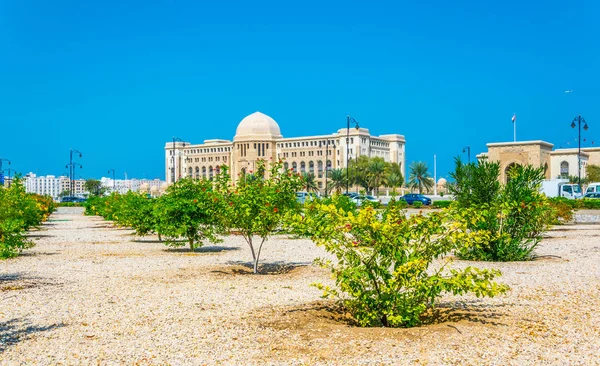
[(514, 118)]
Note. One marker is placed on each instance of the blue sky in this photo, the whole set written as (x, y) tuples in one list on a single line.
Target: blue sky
[(117, 79)]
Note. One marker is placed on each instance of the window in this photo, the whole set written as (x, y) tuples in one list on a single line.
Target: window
[(564, 169)]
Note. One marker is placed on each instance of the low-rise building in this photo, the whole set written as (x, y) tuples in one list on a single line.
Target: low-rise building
[(559, 163), (51, 185)]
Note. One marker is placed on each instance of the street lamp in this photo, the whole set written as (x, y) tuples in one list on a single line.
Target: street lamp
[(113, 171), (71, 167), (348, 120), (175, 139), (579, 120), (9, 170), (467, 149), (1, 160)]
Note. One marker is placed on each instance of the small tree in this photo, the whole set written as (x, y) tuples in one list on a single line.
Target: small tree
[(593, 173), (310, 184), (188, 209), (419, 177), (94, 186), (256, 207), (383, 261)]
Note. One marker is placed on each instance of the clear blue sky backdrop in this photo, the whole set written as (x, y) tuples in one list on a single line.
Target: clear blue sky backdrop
[(118, 79)]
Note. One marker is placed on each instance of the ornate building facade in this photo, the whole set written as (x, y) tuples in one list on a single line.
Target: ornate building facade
[(559, 163), (258, 136)]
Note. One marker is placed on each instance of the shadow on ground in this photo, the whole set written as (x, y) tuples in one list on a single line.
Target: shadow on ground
[(203, 249), (16, 330), (273, 268), (20, 281)]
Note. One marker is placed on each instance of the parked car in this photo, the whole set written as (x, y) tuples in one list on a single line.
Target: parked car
[(302, 197), (593, 195), (359, 199), (412, 197), (72, 199)]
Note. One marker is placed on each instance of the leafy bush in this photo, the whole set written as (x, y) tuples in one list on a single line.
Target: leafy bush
[(417, 204), (441, 204), (19, 212), (340, 201), (512, 219), (188, 210), (561, 211), (590, 203), (383, 270)]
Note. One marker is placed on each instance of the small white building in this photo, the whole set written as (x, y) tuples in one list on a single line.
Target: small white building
[(134, 185), (564, 163)]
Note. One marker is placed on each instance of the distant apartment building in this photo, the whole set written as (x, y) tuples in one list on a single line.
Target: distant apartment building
[(152, 186), (258, 137), (51, 185)]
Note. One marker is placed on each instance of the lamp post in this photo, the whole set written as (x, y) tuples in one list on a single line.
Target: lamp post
[(1, 160), (9, 170), (579, 120), (71, 167), (113, 171), (348, 120), (175, 139), (467, 149)]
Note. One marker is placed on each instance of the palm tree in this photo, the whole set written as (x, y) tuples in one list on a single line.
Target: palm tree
[(376, 173), (338, 180), (419, 176), (394, 180), (310, 184)]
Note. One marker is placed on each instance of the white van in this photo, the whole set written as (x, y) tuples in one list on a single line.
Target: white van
[(592, 188)]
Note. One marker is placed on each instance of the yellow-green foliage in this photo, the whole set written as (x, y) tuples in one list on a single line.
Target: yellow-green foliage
[(383, 268)]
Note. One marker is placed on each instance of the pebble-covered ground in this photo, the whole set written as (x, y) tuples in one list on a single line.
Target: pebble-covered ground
[(92, 294)]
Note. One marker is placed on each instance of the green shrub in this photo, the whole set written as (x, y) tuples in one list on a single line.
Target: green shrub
[(561, 211), (189, 210), (417, 204), (383, 271), (19, 212), (511, 219), (441, 204), (590, 203), (340, 201)]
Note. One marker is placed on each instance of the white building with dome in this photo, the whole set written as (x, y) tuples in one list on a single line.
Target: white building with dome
[(258, 136)]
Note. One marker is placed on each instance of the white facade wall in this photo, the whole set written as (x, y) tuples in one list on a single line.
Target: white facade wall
[(48, 185), (562, 158)]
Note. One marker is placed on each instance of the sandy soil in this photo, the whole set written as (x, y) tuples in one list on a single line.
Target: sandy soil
[(92, 294)]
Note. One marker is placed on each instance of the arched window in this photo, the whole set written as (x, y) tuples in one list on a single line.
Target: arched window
[(218, 169), (189, 171), (302, 167), (204, 172), (320, 168), (311, 167), (508, 169), (328, 165), (197, 175), (295, 166), (210, 172), (564, 169), (286, 166)]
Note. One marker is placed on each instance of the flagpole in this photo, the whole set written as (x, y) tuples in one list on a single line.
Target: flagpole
[(514, 120)]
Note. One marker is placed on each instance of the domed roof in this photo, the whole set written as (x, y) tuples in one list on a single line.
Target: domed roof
[(257, 126), (441, 182)]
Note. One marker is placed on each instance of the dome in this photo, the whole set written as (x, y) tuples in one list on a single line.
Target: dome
[(144, 187), (441, 182), (257, 126), (154, 189)]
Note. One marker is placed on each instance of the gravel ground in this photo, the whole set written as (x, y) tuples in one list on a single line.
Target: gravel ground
[(91, 294)]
